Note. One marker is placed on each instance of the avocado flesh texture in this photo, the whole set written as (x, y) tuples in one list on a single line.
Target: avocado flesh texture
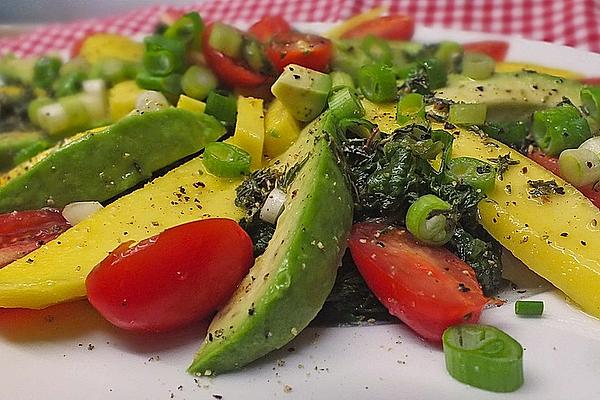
[(100, 164), (511, 96), (289, 283), (12, 142)]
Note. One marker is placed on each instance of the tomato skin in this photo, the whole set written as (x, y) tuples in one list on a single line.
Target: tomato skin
[(21, 232), (551, 164), (268, 26), (591, 81), (391, 27), (182, 275), (229, 72), (428, 288), (496, 49), (310, 51)]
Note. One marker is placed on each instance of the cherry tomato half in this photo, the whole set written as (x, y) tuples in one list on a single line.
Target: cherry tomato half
[(268, 26), (428, 288), (310, 51), (182, 275), (227, 69), (391, 27), (21, 232), (551, 164), (496, 49)]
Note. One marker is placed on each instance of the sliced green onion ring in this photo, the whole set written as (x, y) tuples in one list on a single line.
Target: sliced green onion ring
[(476, 173), (590, 98), (478, 66), (377, 82), (377, 49), (559, 128), (411, 109), (343, 103), (483, 356), (198, 81), (579, 167), (529, 308), (592, 144), (222, 107), (224, 159), (340, 79), (426, 220), (467, 114)]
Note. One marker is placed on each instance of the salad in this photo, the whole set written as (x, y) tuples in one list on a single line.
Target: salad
[(209, 170)]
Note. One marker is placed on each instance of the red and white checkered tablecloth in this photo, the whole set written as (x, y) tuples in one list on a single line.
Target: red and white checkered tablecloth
[(571, 22)]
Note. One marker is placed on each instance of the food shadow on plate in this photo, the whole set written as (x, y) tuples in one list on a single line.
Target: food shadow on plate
[(78, 320)]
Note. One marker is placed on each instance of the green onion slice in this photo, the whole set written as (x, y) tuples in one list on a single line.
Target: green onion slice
[(222, 107), (579, 167), (467, 114), (377, 49), (340, 79), (224, 159), (198, 82), (186, 29), (484, 357), (590, 98), (426, 219), (378, 83), (533, 308), (478, 66), (343, 103), (476, 173), (411, 109), (559, 128), (226, 39)]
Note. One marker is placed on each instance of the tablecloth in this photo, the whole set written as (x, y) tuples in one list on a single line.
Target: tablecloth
[(570, 22)]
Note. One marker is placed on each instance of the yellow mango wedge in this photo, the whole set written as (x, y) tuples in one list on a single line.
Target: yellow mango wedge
[(250, 128), (557, 236), (56, 272)]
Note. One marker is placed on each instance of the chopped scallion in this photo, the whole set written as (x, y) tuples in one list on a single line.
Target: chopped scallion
[(343, 104), (467, 114), (559, 128), (378, 83), (478, 66), (476, 173), (198, 82), (579, 167), (529, 307), (411, 109), (484, 357), (224, 159), (223, 108), (590, 98), (426, 219)]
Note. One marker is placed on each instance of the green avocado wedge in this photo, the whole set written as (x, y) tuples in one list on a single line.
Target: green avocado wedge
[(511, 96), (100, 164), (289, 283)]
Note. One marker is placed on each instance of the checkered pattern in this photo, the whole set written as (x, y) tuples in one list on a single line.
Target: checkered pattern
[(571, 22)]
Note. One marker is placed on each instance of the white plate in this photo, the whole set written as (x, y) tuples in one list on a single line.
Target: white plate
[(69, 352)]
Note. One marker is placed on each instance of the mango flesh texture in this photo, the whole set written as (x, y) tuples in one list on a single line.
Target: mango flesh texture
[(558, 236), (56, 272), (103, 163), (288, 284)]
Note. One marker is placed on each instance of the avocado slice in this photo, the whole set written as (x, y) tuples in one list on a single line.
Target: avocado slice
[(302, 91), (102, 163), (511, 96), (288, 284), (13, 142)]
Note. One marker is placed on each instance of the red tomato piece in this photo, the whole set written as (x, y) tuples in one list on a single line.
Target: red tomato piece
[(391, 27), (551, 164), (428, 288), (591, 81), (268, 26), (21, 232), (227, 69), (310, 51), (182, 275), (496, 49)]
